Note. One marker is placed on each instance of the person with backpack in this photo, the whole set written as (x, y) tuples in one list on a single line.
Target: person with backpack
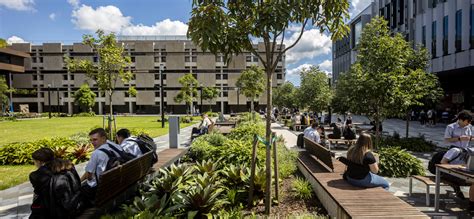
[(106, 155), (40, 179), (459, 136), (128, 143), (349, 132)]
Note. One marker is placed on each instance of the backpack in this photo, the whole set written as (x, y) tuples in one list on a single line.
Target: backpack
[(146, 144), (436, 159), (300, 141), (115, 160), (65, 194)]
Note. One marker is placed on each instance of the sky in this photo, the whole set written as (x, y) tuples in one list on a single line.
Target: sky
[(39, 21)]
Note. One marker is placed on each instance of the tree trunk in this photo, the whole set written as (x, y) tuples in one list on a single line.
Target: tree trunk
[(251, 105), (110, 115), (408, 123), (268, 135)]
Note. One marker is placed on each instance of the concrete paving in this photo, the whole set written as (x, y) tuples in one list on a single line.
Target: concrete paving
[(15, 202), (450, 206)]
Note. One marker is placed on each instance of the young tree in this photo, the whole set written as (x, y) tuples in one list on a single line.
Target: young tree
[(285, 95), (188, 92), (251, 83), (210, 93), (85, 98), (110, 68), (228, 27), (314, 92), (383, 81), (3, 43), (4, 91)]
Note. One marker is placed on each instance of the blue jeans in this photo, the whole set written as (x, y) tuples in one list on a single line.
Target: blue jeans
[(371, 180)]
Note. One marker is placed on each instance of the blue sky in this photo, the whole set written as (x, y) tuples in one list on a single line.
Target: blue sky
[(39, 21)]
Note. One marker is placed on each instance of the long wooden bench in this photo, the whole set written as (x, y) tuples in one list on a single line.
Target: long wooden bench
[(343, 200), (120, 183)]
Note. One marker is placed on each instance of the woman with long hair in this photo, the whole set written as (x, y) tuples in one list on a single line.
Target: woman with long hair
[(40, 180), (363, 168)]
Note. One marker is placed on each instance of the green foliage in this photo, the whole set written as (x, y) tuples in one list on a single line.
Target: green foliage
[(20, 153), (302, 189), (210, 93), (247, 131), (251, 83), (85, 98), (414, 144), (249, 117), (215, 139), (395, 162), (185, 119), (314, 92), (285, 95), (3, 43), (188, 92), (286, 160), (85, 114), (212, 114), (139, 131), (4, 90), (132, 91)]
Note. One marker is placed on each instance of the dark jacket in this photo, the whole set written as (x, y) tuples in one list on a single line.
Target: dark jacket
[(40, 180)]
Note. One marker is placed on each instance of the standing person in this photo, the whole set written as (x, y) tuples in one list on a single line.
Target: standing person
[(429, 115), (363, 168), (40, 179), (459, 136), (422, 117), (97, 163), (128, 143), (348, 119)]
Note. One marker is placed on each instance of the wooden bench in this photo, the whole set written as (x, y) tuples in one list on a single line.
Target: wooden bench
[(120, 183), (343, 200), (342, 141), (428, 181)]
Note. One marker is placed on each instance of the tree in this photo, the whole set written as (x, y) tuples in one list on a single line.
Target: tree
[(4, 99), (3, 43), (210, 93), (383, 81), (314, 92), (229, 27), (251, 83), (285, 95), (85, 98), (188, 92), (110, 68)]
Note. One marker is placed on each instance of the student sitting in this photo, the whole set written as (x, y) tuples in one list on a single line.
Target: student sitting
[(128, 143), (313, 132), (349, 132), (337, 130)]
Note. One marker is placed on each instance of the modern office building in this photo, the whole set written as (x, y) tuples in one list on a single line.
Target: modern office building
[(445, 28), (11, 62), (177, 55)]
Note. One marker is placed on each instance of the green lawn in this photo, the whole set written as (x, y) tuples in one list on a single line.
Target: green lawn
[(14, 175), (34, 129)]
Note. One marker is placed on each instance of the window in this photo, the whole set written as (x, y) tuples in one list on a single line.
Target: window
[(164, 76), (219, 58), (72, 77), (157, 94), (357, 32), (445, 35), (225, 93), (433, 39), (163, 58), (248, 58), (41, 77), (157, 76), (64, 77), (458, 30), (279, 76), (194, 59), (195, 76), (132, 59), (218, 76), (225, 76), (35, 77), (423, 35), (41, 59), (186, 59), (157, 59), (33, 59)]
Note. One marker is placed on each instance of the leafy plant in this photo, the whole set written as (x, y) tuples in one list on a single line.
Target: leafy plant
[(396, 162), (415, 144), (302, 188), (210, 167), (215, 139), (81, 153), (139, 131), (247, 131)]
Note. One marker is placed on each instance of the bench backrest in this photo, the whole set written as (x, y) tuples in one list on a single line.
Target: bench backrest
[(114, 181), (320, 152)]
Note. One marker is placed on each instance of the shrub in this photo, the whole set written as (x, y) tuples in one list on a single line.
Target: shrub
[(85, 114), (185, 119), (286, 160), (212, 114), (139, 131), (80, 138), (415, 144), (247, 131), (302, 189), (396, 162), (215, 139)]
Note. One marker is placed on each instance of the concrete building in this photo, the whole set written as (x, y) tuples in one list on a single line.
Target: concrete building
[(176, 54), (11, 62), (445, 28)]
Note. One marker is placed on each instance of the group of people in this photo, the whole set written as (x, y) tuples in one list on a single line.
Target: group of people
[(59, 192), (346, 130)]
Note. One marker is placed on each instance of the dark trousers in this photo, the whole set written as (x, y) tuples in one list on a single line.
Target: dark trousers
[(88, 195)]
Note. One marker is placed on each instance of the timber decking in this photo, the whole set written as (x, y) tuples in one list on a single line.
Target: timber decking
[(169, 156)]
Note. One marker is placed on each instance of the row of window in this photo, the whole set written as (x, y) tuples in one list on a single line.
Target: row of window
[(458, 33)]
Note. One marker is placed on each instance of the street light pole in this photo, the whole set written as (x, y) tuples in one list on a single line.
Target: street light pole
[(162, 98), (329, 106), (49, 100)]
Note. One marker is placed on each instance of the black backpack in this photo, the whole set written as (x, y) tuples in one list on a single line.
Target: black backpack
[(436, 159), (115, 160), (65, 194), (146, 144), (300, 140)]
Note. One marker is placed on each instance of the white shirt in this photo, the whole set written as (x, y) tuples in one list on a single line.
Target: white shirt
[(98, 162), (452, 153), (129, 145), (205, 122), (312, 134), (453, 130)]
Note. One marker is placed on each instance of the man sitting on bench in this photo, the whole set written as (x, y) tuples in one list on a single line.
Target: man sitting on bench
[(313, 132), (337, 130)]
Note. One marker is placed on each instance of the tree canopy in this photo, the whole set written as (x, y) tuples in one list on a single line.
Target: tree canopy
[(3, 43), (188, 91), (209, 93), (85, 98), (251, 83), (285, 95), (314, 92)]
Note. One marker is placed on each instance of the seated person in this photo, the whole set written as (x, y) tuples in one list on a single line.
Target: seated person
[(362, 165), (337, 130), (313, 132), (128, 143), (349, 132), (205, 123)]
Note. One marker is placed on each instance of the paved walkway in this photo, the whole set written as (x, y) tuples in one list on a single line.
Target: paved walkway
[(15, 202), (451, 207)]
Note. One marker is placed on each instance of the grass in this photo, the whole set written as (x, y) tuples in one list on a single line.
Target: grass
[(34, 129), (14, 175)]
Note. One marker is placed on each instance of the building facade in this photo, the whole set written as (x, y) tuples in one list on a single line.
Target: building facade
[(446, 29), (177, 56)]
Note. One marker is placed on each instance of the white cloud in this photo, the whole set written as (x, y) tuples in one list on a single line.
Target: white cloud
[(326, 66), (52, 16), (297, 70), (20, 5), (165, 27), (108, 18), (111, 19), (74, 3), (357, 6), (294, 28), (15, 39), (311, 44)]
